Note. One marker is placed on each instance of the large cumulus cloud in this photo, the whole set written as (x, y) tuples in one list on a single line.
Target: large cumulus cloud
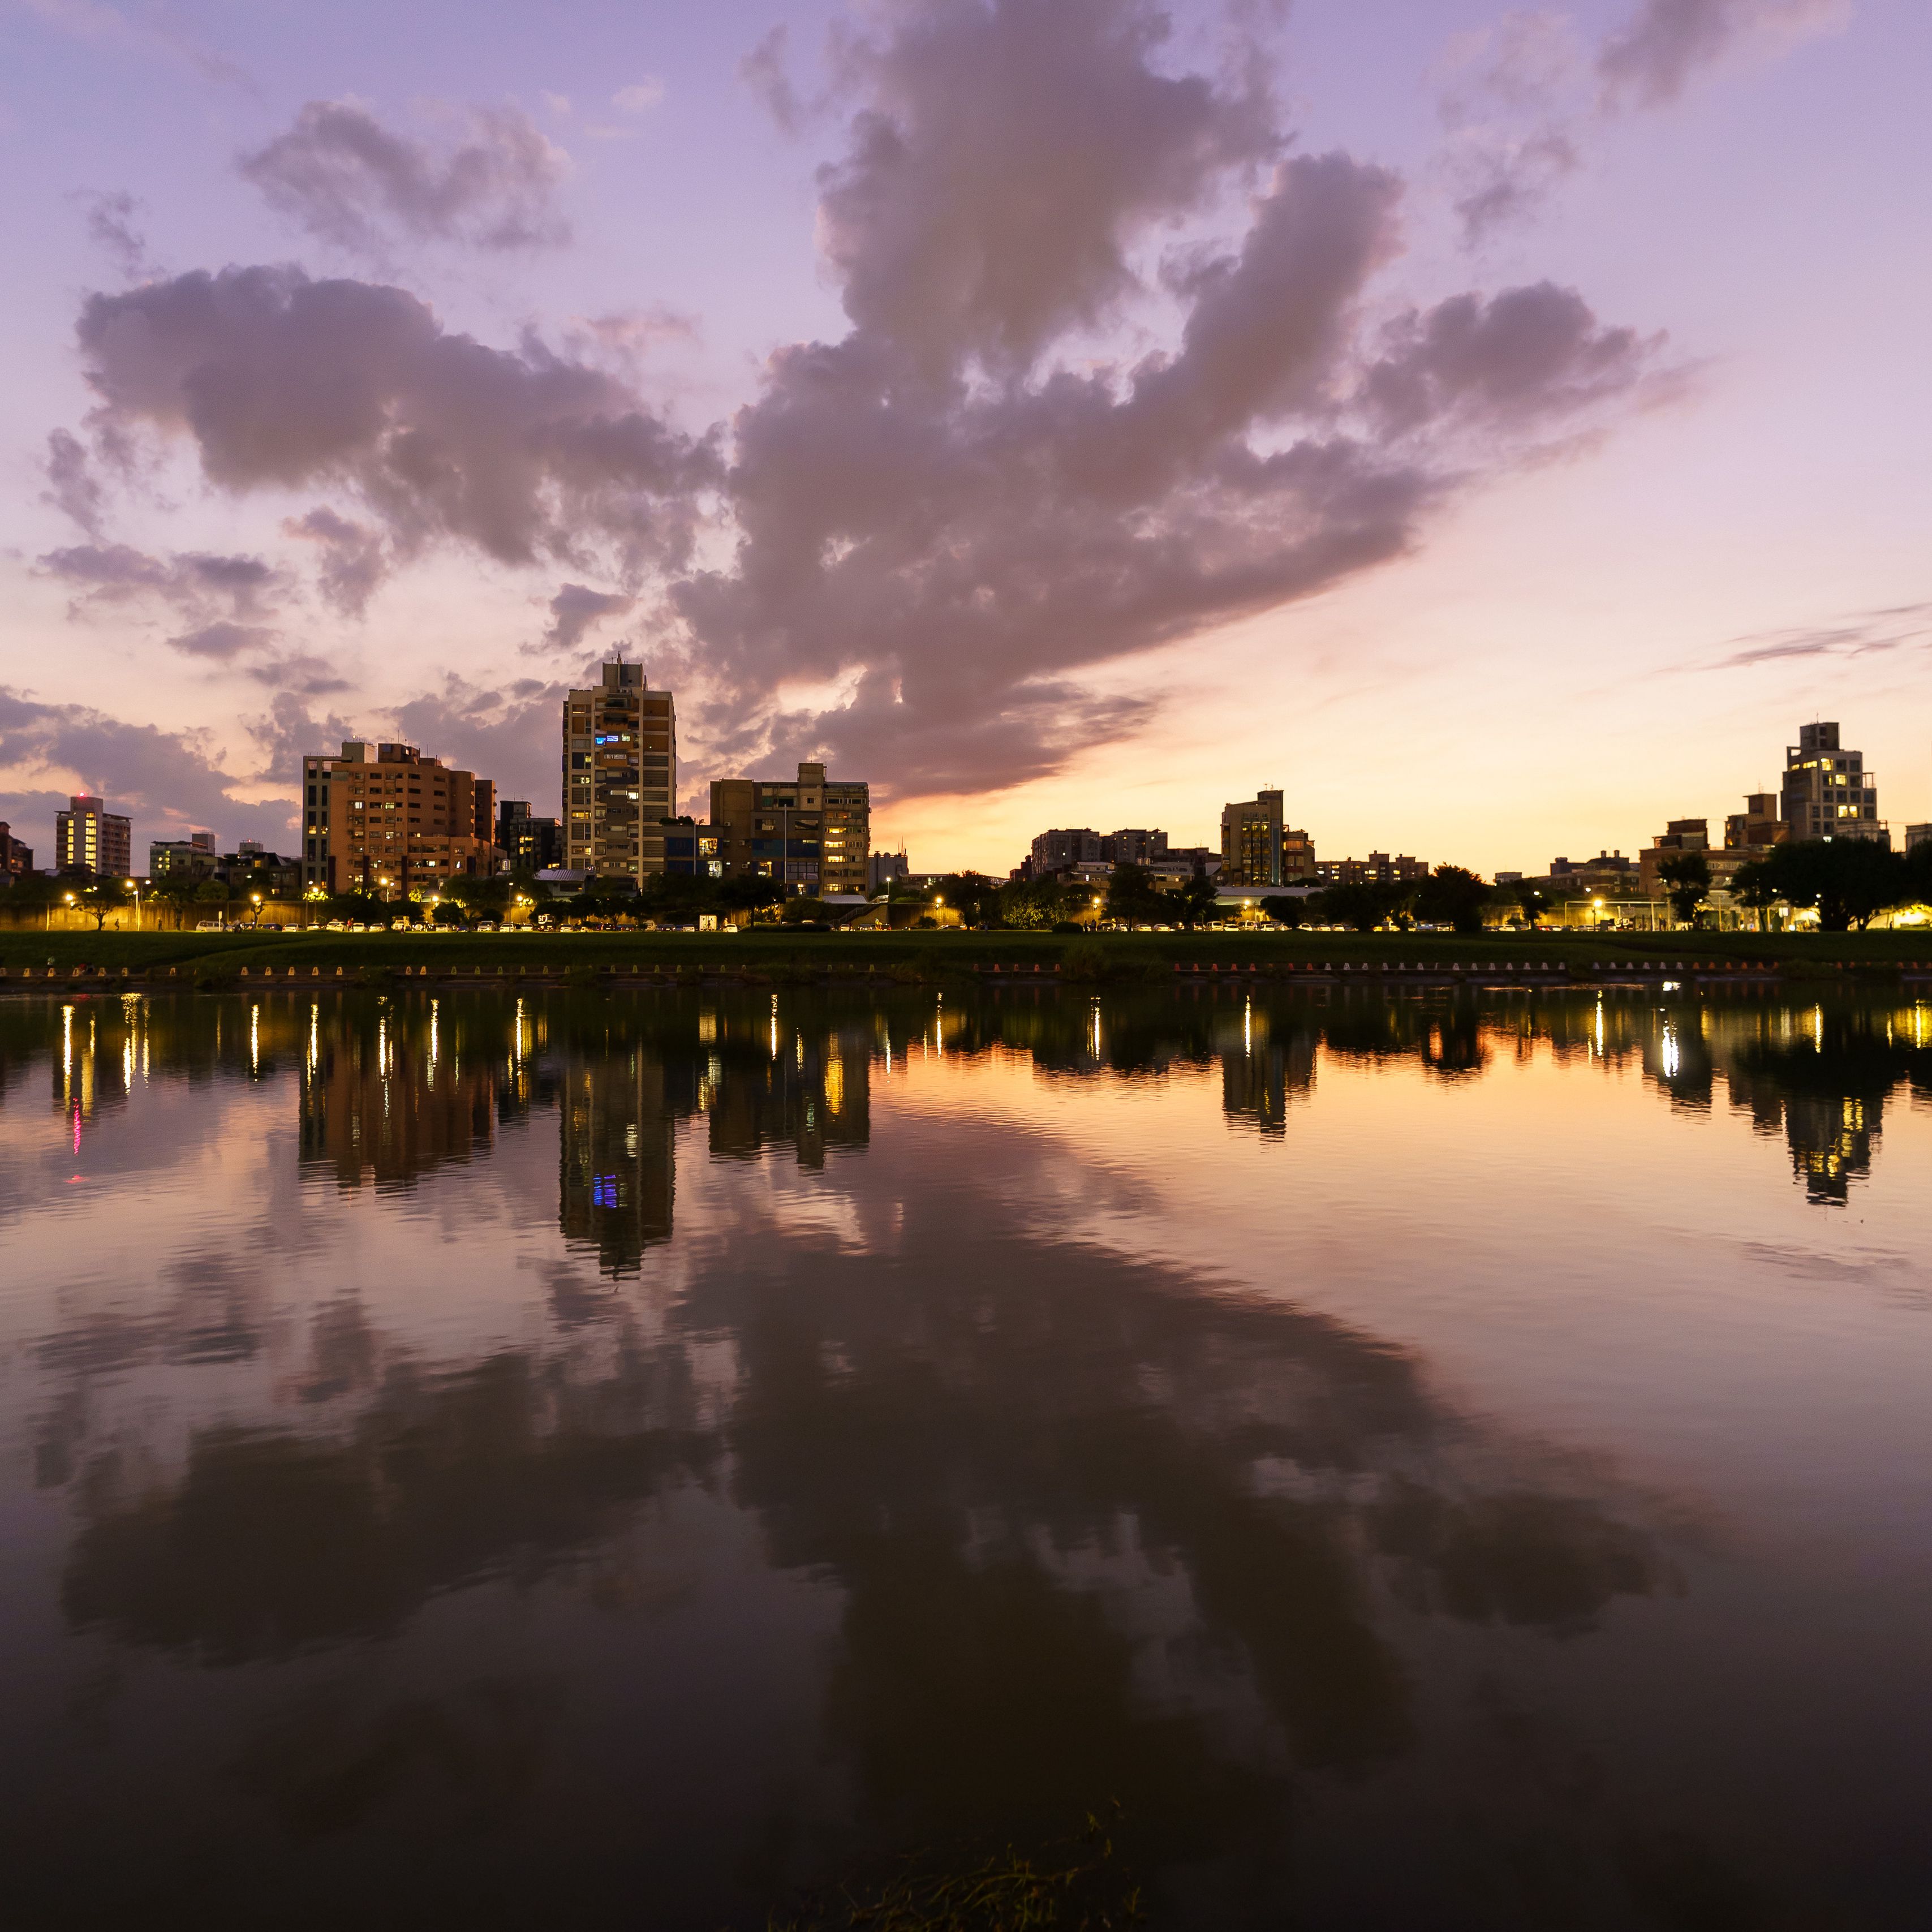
[(925, 541), (284, 381)]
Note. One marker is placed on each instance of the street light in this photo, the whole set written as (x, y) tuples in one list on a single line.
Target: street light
[(136, 884)]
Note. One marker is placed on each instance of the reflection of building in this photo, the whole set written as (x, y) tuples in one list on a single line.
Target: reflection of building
[(809, 835), (87, 834), (386, 1103), (384, 818), (1830, 1139), (619, 775), (1827, 792), (1266, 1062), (617, 1170), (808, 1091)]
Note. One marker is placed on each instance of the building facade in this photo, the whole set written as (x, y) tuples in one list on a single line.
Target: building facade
[(1061, 850), (1827, 792), (16, 860), (1378, 868), (1915, 835), (1133, 847), (691, 850), (386, 820), (528, 844), (1251, 832), (808, 836), (89, 836), (1758, 827), (883, 868), (619, 775), (193, 857)]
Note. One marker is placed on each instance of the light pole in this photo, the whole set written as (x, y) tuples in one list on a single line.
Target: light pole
[(255, 920), (136, 884)]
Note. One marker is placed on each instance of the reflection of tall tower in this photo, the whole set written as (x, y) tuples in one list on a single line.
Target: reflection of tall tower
[(389, 1100), (1263, 1070), (618, 1168), (808, 1091), (1830, 1139)]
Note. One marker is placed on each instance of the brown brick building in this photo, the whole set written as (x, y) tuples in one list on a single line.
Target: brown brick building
[(385, 819)]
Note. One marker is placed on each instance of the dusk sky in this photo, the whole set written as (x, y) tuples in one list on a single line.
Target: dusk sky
[(1499, 429)]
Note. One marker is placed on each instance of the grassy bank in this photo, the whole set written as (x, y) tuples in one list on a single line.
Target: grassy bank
[(195, 956)]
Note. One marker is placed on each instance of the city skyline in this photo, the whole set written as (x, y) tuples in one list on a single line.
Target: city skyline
[(1567, 414)]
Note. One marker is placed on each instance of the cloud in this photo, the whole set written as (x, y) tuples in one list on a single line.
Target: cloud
[(223, 641), (511, 734), (1651, 59), (102, 26), (1504, 181), (933, 535), (1010, 153), (353, 560), (1527, 353), (343, 177), (73, 488), (640, 97), (111, 227), (138, 768), (285, 382), (1864, 634), (766, 71), (577, 610), (289, 732), (198, 583)]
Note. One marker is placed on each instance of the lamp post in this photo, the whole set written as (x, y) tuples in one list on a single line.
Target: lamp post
[(136, 884), (255, 920)]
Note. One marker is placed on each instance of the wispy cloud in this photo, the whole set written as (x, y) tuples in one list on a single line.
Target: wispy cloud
[(1864, 633)]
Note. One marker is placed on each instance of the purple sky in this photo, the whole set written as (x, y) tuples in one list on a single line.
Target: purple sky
[(1499, 429)]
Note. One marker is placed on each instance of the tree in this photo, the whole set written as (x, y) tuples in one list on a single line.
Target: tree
[(1133, 899), (1453, 896), (213, 893), (448, 913), (1687, 875), (477, 897), (1197, 903), (97, 894), (1361, 907), (749, 892), (1849, 881), (1034, 905), (1284, 910), (973, 895)]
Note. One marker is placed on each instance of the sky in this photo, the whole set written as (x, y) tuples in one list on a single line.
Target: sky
[(1498, 428)]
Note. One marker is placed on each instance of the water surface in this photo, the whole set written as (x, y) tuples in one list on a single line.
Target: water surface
[(636, 1460)]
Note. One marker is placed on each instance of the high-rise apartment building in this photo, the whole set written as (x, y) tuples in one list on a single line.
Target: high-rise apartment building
[(619, 775), (89, 835), (1259, 848), (809, 835), (1827, 792), (1133, 847), (385, 819), (16, 860)]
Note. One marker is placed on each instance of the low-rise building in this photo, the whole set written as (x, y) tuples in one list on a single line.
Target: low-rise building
[(1061, 850), (385, 819), (692, 851), (1378, 868), (809, 835), (1133, 847), (89, 837), (883, 868), (16, 860), (1758, 827), (193, 857), (529, 843), (1915, 835)]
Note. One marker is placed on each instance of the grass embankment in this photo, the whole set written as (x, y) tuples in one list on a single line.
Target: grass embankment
[(202, 956)]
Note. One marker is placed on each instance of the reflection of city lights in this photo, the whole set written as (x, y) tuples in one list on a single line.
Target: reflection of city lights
[(1670, 1053), (254, 1038), (1247, 1027)]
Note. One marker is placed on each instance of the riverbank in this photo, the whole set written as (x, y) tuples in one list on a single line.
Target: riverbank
[(190, 959)]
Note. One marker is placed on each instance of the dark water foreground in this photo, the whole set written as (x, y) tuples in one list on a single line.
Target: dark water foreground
[(630, 1461)]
